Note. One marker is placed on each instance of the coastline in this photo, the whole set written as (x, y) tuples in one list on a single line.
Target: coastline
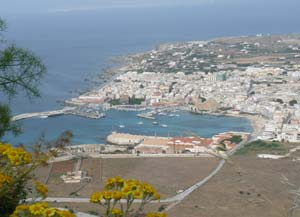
[(256, 122)]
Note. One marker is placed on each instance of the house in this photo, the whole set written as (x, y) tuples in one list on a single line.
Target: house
[(153, 145), (189, 144), (155, 97)]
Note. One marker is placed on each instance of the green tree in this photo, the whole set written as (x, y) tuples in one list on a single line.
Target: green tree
[(20, 70), (293, 102)]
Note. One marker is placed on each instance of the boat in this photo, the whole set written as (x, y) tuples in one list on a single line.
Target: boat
[(162, 113), (43, 116), (122, 126), (155, 122), (146, 116), (171, 115), (164, 125), (140, 123)]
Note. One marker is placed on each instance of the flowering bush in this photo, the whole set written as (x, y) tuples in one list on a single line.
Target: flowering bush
[(40, 210), (16, 166), (119, 195)]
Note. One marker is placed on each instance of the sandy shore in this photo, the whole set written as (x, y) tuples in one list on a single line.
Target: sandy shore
[(257, 122)]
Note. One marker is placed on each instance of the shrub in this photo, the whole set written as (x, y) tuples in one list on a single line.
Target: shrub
[(16, 165), (119, 195)]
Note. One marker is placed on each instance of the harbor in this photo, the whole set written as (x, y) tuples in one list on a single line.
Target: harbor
[(95, 131)]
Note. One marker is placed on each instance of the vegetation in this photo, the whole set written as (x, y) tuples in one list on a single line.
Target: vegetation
[(5, 123), (16, 181), (19, 70), (115, 102), (260, 146), (136, 101), (279, 101), (293, 102), (117, 189), (234, 139)]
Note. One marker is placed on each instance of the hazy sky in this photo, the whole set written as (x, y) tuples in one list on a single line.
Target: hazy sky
[(44, 6), (16, 7)]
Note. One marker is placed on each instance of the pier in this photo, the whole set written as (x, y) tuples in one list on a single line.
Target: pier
[(46, 114)]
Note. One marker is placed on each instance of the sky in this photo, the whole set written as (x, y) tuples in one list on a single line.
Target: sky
[(44, 6), (16, 7), (52, 6)]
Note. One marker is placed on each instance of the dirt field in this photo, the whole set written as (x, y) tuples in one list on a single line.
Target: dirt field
[(245, 187), (167, 175), (250, 187)]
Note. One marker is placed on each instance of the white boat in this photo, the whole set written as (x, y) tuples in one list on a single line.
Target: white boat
[(155, 122), (140, 123), (122, 126), (43, 116), (162, 113), (164, 125)]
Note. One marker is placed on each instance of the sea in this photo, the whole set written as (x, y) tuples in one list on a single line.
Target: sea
[(76, 46)]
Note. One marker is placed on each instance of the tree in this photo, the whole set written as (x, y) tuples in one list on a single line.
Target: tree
[(279, 101), (20, 70), (293, 102)]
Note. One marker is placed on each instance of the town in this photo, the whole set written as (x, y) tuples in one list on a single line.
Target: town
[(142, 145), (247, 76)]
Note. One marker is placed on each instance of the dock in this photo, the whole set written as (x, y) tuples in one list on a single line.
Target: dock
[(43, 114)]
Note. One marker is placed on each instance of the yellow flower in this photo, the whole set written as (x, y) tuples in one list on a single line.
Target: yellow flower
[(126, 190), (16, 156), (116, 212), (117, 195), (107, 195), (137, 194), (65, 213), (156, 214), (114, 183), (4, 179), (4, 148), (42, 189), (130, 189), (20, 210), (96, 197), (148, 189), (157, 196), (38, 208), (49, 212), (22, 207), (118, 179), (27, 158)]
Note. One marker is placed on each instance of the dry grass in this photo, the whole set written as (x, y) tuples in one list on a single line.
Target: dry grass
[(249, 187), (167, 175)]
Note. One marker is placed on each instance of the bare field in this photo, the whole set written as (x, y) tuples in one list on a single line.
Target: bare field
[(245, 187), (263, 58), (167, 175), (248, 187)]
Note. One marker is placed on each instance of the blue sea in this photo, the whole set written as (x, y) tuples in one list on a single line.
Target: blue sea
[(76, 46), (91, 131)]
